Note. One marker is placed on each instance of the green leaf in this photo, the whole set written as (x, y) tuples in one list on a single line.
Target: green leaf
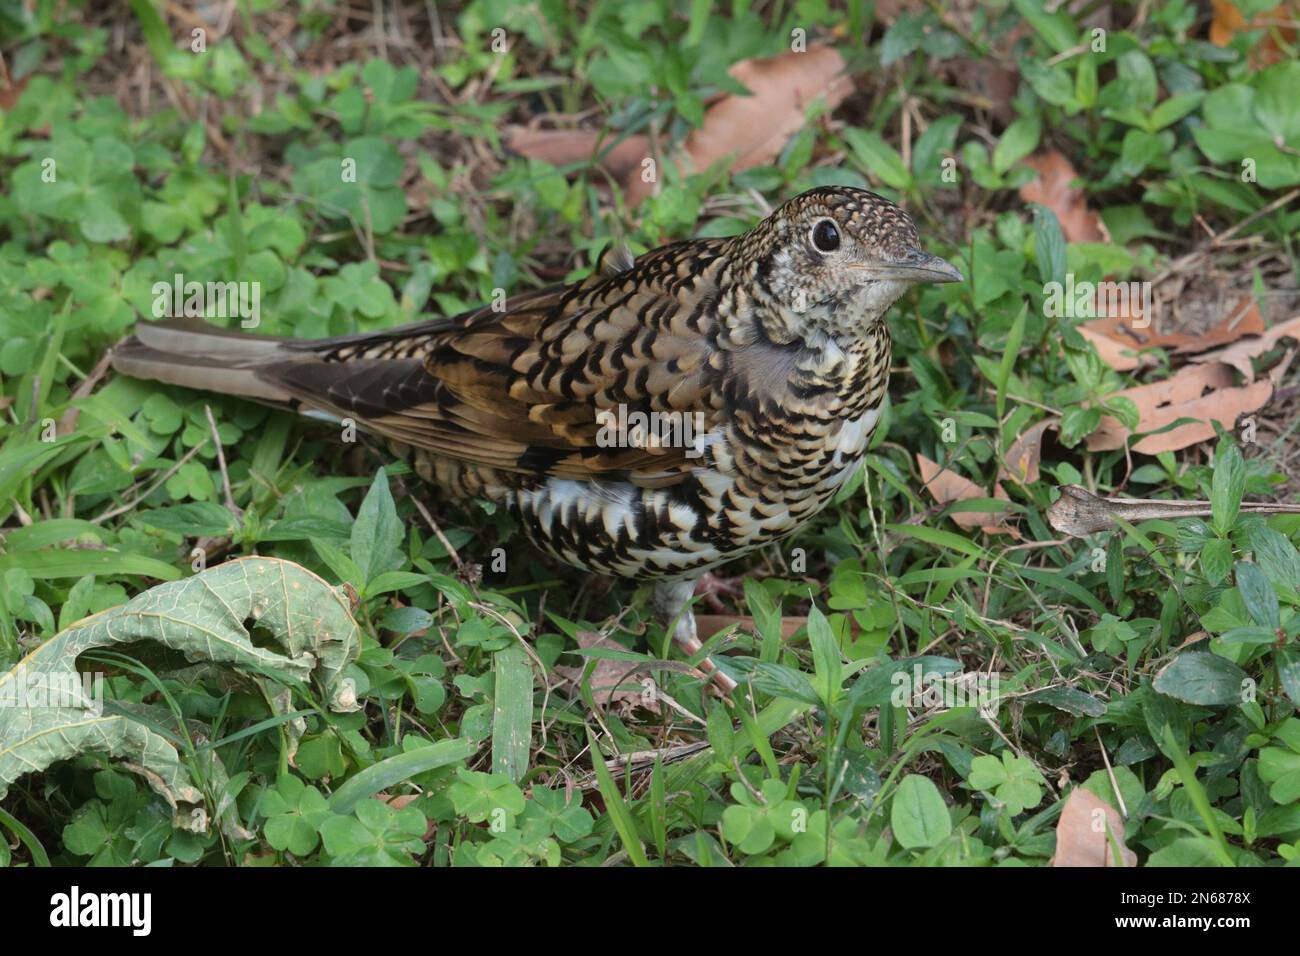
[(394, 770), (1013, 781), (878, 157), (202, 617), (1138, 151), (902, 38), (767, 619), (75, 563), (1136, 77), (1275, 101), (918, 815), (1049, 244), (1175, 108), (1196, 677), (1115, 567), (1226, 488), (1275, 554), (1085, 82), (778, 680), (1068, 699), (193, 520), (827, 664), (1056, 29), (721, 735), (394, 581), (512, 714), (1216, 559), (359, 184), (377, 533), (1258, 594), (1016, 143), (1287, 660)]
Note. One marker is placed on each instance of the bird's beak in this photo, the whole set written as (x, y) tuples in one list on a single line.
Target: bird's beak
[(916, 266)]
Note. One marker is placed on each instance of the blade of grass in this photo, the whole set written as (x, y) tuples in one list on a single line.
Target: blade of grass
[(394, 770), (512, 714), (1196, 792), (619, 814)]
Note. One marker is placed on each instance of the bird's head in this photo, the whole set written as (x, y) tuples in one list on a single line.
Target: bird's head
[(835, 259)]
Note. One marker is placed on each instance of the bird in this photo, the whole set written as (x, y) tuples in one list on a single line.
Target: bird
[(671, 412)]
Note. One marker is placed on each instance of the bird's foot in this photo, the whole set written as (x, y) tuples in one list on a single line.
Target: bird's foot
[(672, 605), (712, 588)]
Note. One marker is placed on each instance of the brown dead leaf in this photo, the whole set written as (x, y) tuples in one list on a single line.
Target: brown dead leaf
[(1118, 341), (1239, 354), (1022, 458), (1116, 350), (10, 92), (753, 129), (1228, 22), (749, 129), (947, 486), (1201, 392), (563, 147), (1053, 189), (1081, 838), (610, 682)]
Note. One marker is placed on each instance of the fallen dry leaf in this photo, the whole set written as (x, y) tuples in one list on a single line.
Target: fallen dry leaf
[(1228, 22), (610, 682), (1081, 838), (1117, 340), (1022, 458), (1239, 354), (11, 92), (1201, 392), (753, 129), (1053, 189), (750, 129), (947, 486), (563, 147)]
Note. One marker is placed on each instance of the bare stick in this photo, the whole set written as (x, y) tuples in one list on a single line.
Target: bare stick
[(1078, 512), (221, 464)]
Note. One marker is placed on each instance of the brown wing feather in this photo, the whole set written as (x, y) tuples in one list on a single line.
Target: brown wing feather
[(521, 389)]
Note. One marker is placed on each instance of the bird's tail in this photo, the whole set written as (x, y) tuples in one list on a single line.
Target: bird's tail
[(195, 354)]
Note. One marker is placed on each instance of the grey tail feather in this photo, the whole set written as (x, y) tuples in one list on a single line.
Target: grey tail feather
[(194, 354)]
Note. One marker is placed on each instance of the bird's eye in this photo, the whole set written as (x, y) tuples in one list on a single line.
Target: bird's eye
[(825, 236)]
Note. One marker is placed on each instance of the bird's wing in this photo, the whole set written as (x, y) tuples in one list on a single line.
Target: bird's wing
[(529, 388)]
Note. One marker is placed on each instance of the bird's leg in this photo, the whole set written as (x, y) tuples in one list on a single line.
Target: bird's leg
[(712, 588), (672, 604)]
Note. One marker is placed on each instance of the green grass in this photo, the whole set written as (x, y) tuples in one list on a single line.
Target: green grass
[(1159, 660)]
